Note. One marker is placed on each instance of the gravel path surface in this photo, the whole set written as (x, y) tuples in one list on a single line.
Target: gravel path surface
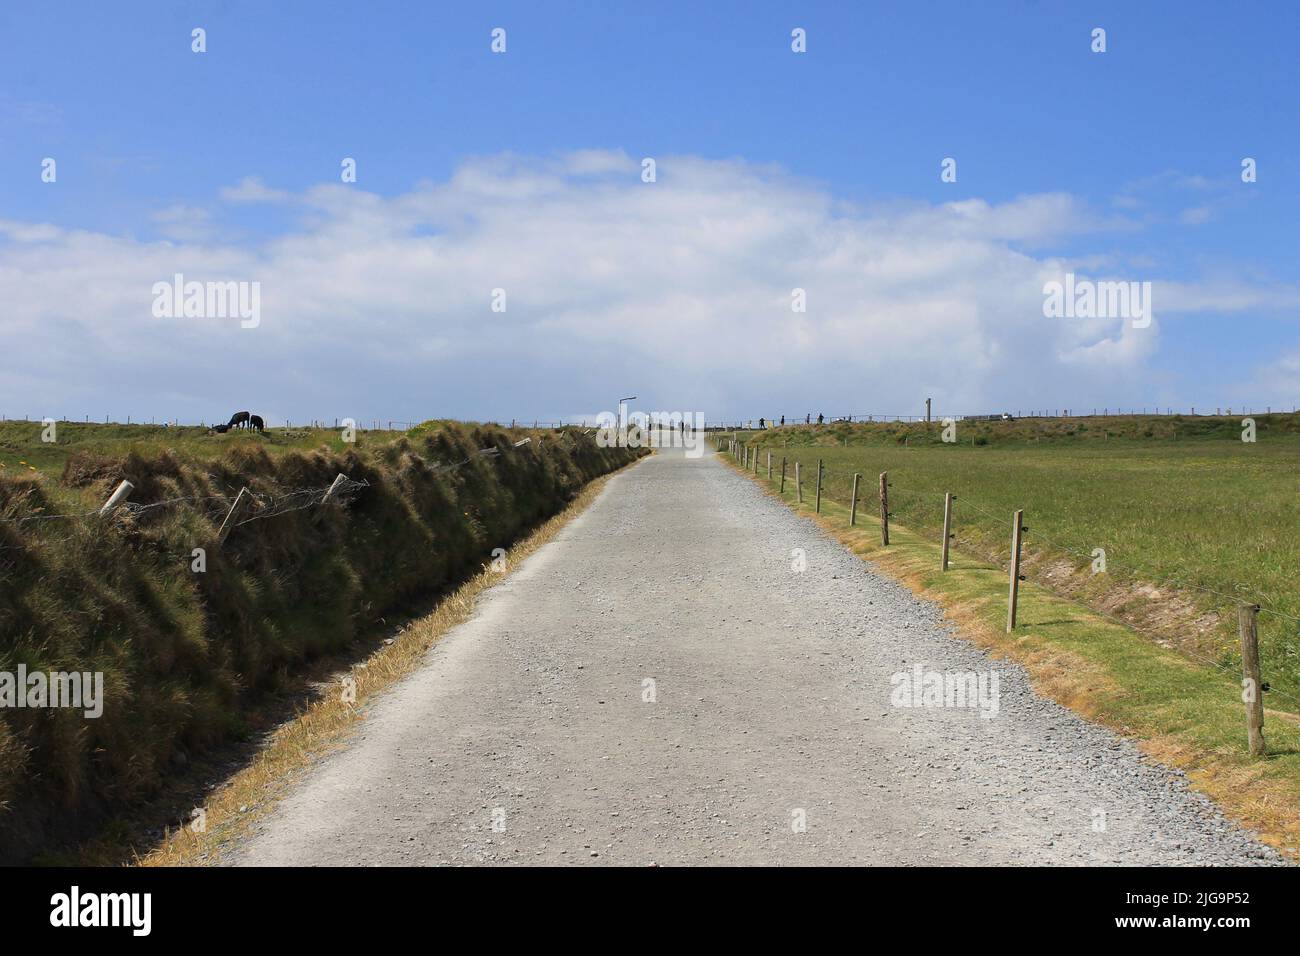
[(528, 738)]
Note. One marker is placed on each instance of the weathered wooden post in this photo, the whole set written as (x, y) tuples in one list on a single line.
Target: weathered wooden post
[(1252, 687), (819, 486), (769, 466), (884, 507), (338, 483), (783, 475), (947, 526), (119, 495), (1017, 530), (236, 509), (798, 483), (853, 502)]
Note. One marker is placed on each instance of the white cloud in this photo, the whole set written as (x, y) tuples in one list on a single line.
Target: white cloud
[(251, 189), (679, 291), (186, 223)]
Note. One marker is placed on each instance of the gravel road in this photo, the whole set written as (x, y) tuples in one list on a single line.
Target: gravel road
[(773, 732)]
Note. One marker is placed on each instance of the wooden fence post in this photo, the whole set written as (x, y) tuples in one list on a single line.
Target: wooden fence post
[(884, 507), (798, 483), (1252, 686), (236, 509), (853, 502), (769, 466), (116, 498), (819, 486), (783, 475), (334, 486), (1017, 528), (947, 526)]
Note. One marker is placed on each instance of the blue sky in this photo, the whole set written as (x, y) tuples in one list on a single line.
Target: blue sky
[(1146, 140)]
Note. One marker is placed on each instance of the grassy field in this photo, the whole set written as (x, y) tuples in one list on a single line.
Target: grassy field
[(22, 450), (1193, 521)]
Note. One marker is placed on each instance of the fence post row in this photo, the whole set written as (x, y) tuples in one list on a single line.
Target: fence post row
[(1247, 615), (1017, 531), (1252, 685), (884, 507), (947, 526)]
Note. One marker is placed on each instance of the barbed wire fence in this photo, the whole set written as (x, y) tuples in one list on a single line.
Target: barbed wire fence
[(239, 508), (931, 509)]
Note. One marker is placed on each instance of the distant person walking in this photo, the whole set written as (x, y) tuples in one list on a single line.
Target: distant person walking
[(820, 418), (783, 420), (760, 423)]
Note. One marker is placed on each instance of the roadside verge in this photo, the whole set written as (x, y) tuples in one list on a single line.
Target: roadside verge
[(1184, 714)]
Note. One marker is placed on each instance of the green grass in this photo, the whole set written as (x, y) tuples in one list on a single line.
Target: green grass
[(1181, 503), (22, 450)]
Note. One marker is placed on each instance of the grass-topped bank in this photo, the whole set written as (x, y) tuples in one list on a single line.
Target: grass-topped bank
[(187, 646), (1183, 712), (1192, 520)]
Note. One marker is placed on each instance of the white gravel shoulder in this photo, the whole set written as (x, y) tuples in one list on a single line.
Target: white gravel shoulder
[(771, 738)]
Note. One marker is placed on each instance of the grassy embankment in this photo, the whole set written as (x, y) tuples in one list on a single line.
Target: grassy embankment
[(188, 655), (1193, 522)]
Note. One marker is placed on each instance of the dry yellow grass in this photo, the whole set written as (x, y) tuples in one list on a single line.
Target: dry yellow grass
[(328, 722)]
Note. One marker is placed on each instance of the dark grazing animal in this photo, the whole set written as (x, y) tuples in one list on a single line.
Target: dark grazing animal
[(255, 421), (219, 429), (238, 419)]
